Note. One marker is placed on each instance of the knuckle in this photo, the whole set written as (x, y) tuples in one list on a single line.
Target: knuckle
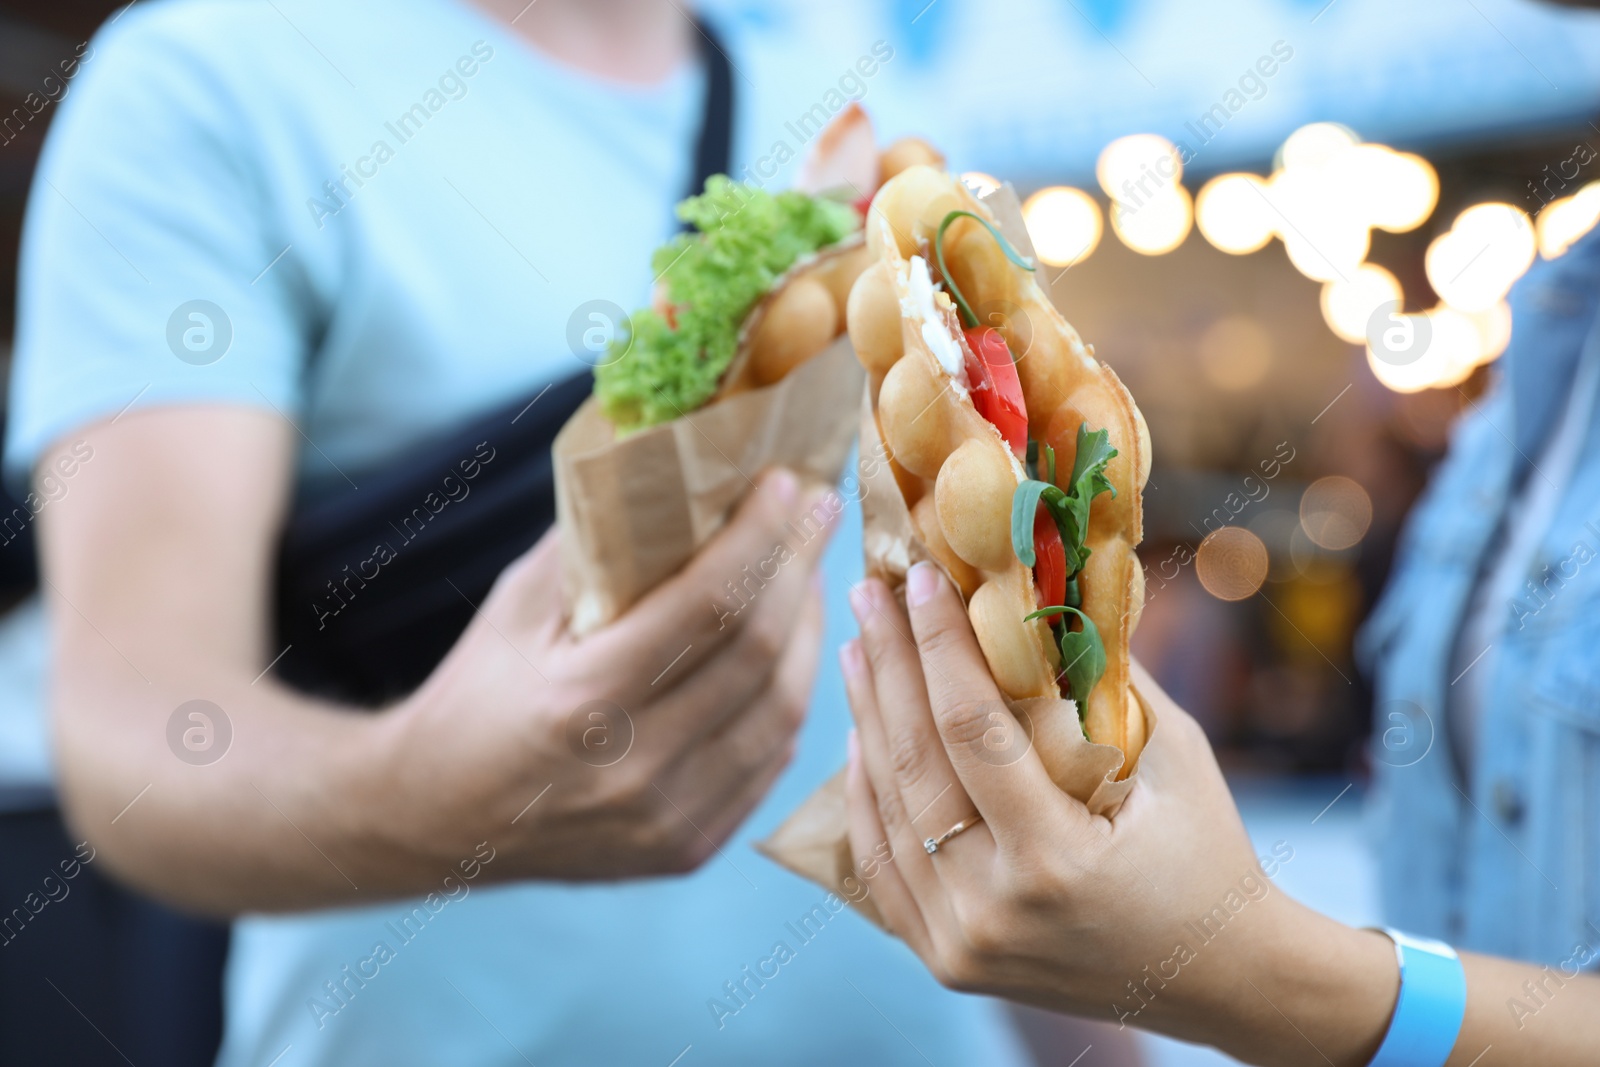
[(961, 970), (669, 837), (1033, 888), (790, 711), (986, 932), (762, 639), (908, 758), (943, 633), (690, 855), (965, 720), (892, 811), (747, 751)]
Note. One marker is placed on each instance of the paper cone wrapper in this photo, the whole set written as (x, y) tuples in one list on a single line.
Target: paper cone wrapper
[(814, 841), (633, 510)]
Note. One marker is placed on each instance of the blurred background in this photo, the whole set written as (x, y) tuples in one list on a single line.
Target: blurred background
[(1289, 225)]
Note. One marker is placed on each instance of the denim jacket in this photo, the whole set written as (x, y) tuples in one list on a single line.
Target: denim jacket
[(1505, 857)]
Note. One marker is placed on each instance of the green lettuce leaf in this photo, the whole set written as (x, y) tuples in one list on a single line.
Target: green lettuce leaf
[(746, 238)]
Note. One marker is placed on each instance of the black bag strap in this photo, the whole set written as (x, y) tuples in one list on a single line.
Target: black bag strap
[(374, 587), (713, 147)]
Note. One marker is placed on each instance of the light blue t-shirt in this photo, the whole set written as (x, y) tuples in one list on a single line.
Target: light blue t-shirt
[(377, 219)]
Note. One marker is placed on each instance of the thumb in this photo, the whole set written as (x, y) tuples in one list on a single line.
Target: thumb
[(528, 593), (1178, 747)]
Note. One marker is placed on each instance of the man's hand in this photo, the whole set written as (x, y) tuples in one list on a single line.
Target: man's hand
[(636, 750)]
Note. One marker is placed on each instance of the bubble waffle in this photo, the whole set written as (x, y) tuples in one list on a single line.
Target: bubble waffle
[(958, 470)]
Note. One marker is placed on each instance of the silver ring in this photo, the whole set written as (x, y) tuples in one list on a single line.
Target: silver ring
[(931, 845)]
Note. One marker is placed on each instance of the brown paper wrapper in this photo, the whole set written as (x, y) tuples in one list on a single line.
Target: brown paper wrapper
[(814, 841), (634, 510)]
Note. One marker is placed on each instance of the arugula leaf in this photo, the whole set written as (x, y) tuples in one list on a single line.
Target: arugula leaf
[(1024, 505), (969, 319), (1088, 481), (1083, 654), (1094, 452), (1082, 650)]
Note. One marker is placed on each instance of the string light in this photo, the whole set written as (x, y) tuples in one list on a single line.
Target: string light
[(1064, 224), (1233, 214), (1151, 211), (1474, 263)]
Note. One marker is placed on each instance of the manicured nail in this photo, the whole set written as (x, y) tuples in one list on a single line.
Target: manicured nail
[(860, 602), (784, 485), (921, 584), (850, 658)]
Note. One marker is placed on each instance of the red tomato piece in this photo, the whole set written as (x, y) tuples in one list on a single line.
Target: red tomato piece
[(1050, 566), (996, 390)]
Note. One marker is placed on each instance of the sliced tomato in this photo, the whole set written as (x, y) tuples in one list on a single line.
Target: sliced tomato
[(996, 390), (1050, 566)]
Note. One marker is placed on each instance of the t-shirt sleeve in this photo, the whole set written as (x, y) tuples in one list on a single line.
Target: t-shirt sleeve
[(150, 270)]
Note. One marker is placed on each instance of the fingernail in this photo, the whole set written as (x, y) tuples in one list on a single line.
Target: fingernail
[(860, 602), (784, 485), (921, 584), (850, 658), (852, 746)]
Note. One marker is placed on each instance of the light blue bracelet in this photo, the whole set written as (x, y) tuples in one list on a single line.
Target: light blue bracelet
[(1433, 1001)]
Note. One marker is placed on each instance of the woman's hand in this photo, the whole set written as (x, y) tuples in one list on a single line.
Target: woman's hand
[(1160, 916)]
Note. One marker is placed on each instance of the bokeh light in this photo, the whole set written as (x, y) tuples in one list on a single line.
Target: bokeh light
[(1397, 191), (1233, 214), (1327, 194), (1322, 229), (1063, 223), (1316, 145), (1335, 512), (1156, 225), (1453, 344), (1231, 563), (1474, 263), (1562, 222), (1349, 303), (1139, 157)]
